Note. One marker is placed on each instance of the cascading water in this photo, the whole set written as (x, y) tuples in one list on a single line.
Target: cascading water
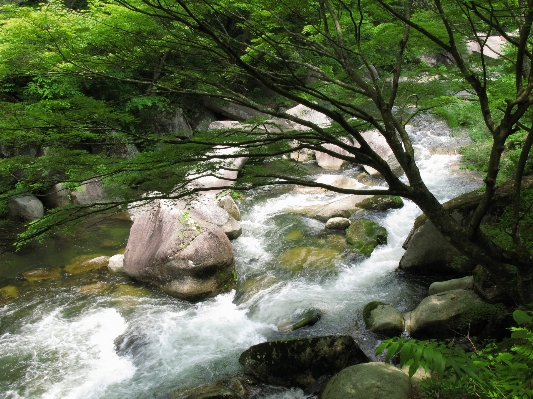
[(132, 342)]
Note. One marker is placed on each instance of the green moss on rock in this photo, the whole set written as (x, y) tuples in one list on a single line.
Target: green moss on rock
[(364, 235)]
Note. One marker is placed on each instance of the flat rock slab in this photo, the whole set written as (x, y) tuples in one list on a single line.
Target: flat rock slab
[(343, 207)]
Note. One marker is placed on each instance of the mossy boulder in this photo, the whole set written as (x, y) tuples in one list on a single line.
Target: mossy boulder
[(485, 286), (383, 319), (368, 381), (42, 274), (315, 258), (300, 362), (364, 236), (381, 203), (94, 288), (299, 319)]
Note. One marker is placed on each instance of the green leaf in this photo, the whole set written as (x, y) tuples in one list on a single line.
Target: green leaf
[(522, 317)]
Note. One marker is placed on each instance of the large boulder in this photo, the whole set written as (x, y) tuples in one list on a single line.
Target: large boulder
[(180, 251), (428, 252), (300, 362), (383, 319), (27, 208), (444, 314), (368, 381), (363, 236)]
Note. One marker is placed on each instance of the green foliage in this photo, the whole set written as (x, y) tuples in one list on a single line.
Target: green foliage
[(487, 373)]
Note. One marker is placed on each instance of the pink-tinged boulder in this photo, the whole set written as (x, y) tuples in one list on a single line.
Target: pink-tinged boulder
[(185, 255)]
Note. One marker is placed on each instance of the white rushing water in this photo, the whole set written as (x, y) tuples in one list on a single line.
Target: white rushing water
[(70, 346)]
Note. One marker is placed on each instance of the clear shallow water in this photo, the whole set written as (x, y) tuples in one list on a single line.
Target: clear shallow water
[(58, 340)]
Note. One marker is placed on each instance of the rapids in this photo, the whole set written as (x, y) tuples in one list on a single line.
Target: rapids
[(128, 341)]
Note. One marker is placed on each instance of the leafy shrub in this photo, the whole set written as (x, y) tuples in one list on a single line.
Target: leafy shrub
[(487, 373)]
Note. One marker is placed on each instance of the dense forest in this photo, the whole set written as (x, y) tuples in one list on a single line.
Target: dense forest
[(121, 92)]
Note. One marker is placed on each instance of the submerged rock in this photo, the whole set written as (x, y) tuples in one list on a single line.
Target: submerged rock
[(42, 274), (9, 292), (300, 318), (315, 258), (81, 264), (368, 381), (364, 236), (443, 315), (95, 288), (300, 362), (384, 319), (215, 391)]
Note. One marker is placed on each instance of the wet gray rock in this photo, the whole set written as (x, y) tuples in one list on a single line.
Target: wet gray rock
[(464, 283), (444, 314), (384, 319), (300, 362), (27, 208), (89, 192), (368, 381)]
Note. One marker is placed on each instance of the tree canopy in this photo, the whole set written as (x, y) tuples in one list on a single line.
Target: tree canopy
[(101, 74)]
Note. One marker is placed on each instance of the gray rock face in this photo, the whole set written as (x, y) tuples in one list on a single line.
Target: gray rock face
[(300, 362), (187, 257), (378, 143), (465, 283), (437, 316), (383, 319), (343, 207), (427, 251), (338, 223), (330, 162), (368, 381), (27, 208), (89, 192), (228, 204)]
